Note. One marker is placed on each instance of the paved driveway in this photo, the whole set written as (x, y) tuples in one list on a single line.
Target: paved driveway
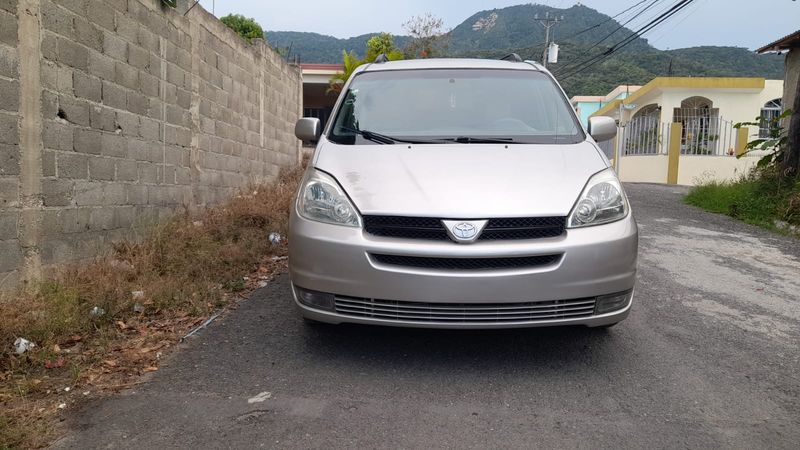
[(708, 358)]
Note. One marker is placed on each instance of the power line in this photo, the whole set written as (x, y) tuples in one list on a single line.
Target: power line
[(627, 41), (621, 26), (604, 22)]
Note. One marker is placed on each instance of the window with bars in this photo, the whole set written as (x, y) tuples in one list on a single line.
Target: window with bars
[(769, 113)]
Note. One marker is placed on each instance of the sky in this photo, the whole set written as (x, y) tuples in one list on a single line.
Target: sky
[(740, 23)]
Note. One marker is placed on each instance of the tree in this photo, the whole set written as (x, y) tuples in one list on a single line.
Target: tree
[(382, 43), (429, 38), (245, 27), (791, 164)]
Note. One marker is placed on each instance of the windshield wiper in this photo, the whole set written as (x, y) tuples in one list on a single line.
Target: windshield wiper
[(384, 139), (480, 140)]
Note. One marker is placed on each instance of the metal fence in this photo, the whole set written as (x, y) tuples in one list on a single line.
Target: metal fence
[(647, 135)]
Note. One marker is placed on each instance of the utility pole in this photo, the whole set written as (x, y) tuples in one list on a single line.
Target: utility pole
[(547, 22)]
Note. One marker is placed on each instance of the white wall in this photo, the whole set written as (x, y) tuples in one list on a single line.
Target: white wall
[(643, 168), (694, 170)]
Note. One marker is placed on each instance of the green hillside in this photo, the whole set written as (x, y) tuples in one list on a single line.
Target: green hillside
[(497, 32)]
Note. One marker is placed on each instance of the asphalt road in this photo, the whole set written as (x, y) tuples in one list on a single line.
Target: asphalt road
[(709, 357)]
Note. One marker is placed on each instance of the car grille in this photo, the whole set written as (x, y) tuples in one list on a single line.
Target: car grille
[(423, 262), (496, 230), (464, 312)]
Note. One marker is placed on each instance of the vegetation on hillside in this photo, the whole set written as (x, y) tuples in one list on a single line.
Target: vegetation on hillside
[(245, 27), (495, 33)]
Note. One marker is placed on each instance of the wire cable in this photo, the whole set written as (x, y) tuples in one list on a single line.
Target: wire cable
[(580, 67)]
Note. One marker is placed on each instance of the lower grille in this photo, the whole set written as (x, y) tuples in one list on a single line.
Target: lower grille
[(522, 262), (464, 312)]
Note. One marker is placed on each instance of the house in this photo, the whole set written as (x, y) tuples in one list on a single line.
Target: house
[(317, 101), (681, 130), (586, 105), (706, 107), (791, 45)]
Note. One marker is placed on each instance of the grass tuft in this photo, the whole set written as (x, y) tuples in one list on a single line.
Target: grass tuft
[(758, 199)]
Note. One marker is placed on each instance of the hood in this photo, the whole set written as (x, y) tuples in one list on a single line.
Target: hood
[(461, 181)]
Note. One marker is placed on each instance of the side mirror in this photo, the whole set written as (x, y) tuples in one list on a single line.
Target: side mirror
[(602, 128), (308, 129)]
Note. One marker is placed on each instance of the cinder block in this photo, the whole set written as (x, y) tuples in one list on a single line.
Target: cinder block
[(114, 194), (9, 95), (114, 96), (73, 54), (57, 20), (126, 27), (149, 84), (88, 34), (87, 86), (101, 168), (115, 47), (114, 144), (101, 66), (149, 41), (9, 62), (137, 194), (137, 103), (74, 220), (100, 14), (103, 119), (9, 159), (128, 123), (72, 165), (127, 170), (89, 193), (87, 141), (8, 29), (155, 109), (126, 75), (137, 149), (150, 129), (184, 98), (57, 135), (12, 256), (148, 173), (50, 46), (138, 57), (101, 218), (57, 192), (9, 129), (74, 110), (76, 6), (48, 163), (124, 217), (9, 222)]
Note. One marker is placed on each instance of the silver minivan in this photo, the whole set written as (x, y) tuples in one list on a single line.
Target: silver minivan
[(460, 193)]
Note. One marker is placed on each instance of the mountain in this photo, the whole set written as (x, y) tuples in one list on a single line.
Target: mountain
[(517, 27), (319, 48), (582, 34)]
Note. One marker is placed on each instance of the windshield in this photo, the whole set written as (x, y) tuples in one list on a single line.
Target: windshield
[(442, 105)]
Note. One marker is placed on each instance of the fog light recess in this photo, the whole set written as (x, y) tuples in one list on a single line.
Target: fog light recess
[(314, 299), (608, 303)]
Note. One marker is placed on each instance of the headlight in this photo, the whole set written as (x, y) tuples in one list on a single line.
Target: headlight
[(322, 199), (602, 201)]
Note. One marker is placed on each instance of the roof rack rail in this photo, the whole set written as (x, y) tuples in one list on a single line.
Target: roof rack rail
[(511, 57), (382, 58)]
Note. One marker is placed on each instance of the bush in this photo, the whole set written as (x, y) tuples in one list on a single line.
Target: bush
[(245, 27)]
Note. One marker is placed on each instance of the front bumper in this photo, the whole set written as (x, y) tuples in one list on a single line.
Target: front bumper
[(594, 261)]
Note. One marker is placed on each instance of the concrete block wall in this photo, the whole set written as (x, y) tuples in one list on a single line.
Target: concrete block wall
[(118, 113)]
